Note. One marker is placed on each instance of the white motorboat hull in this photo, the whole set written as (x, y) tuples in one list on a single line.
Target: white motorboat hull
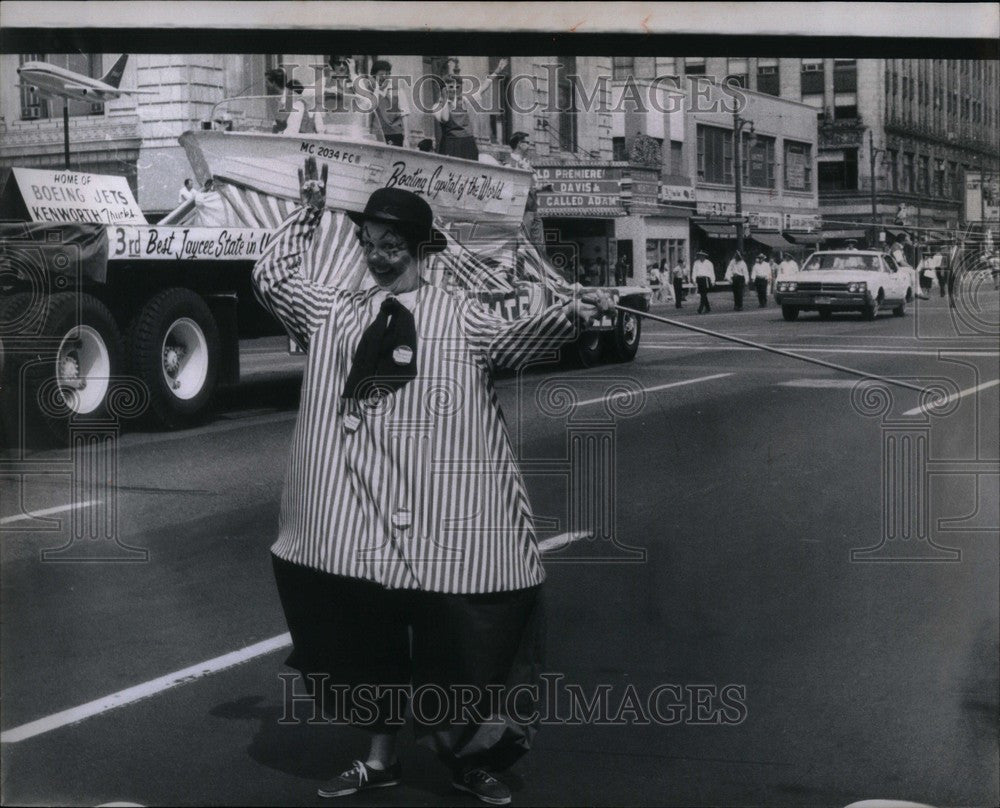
[(457, 189)]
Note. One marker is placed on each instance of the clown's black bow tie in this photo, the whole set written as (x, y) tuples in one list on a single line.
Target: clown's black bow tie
[(386, 356)]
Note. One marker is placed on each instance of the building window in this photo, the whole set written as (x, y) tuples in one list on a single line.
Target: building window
[(715, 155), (622, 67), (566, 115), (892, 160), (798, 166), (845, 75), (955, 186), (906, 186), (840, 175), (677, 158), (939, 182), (845, 106), (636, 67), (923, 178), (758, 162), (767, 77), (812, 77), (618, 151), (694, 66), (35, 107), (737, 72)]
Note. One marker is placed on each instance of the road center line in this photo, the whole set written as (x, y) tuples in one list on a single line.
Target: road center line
[(23, 517), (930, 406), (626, 393), (146, 689)]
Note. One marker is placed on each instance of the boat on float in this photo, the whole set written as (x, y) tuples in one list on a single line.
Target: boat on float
[(239, 147)]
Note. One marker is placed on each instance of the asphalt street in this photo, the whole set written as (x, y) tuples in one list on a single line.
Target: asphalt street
[(805, 572)]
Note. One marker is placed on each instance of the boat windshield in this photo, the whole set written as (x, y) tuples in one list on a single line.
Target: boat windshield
[(298, 115)]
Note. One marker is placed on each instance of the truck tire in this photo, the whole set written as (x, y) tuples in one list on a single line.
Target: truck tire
[(623, 341), (174, 349), (62, 370), (588, 349)]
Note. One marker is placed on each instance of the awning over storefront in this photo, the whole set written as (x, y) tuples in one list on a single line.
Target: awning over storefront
[(829, 235), (718, 230), (774, 240), (804, 238)]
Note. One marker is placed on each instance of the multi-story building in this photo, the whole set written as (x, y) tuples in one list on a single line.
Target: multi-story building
[(624, 184), (928, 123)]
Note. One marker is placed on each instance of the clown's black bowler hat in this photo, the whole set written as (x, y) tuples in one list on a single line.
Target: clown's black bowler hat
[(407, 211)]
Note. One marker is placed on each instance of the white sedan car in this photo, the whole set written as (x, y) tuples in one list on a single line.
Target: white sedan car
[(867, 281)]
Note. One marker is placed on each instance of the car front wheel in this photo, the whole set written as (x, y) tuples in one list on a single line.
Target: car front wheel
[(790, 312)]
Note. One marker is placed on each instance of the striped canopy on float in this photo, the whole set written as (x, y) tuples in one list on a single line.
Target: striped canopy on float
[(479, 259)]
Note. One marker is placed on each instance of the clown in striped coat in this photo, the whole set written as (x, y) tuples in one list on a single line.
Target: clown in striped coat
[(420, 490)]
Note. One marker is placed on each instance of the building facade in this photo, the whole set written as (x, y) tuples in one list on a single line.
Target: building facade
[(926, 122)]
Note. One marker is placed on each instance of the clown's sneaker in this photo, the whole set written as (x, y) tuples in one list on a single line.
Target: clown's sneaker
[(360, 778), (480, 783)]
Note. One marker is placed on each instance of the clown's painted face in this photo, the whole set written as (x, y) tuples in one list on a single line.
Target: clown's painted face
[(390, 261)]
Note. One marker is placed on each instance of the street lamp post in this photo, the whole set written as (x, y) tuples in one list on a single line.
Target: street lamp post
[(738, 124), (872, 154)]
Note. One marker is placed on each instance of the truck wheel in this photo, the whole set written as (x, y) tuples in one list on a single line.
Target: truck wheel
[(623, 341), (65, 371), (790, 312), (173, 347), (587, 350)]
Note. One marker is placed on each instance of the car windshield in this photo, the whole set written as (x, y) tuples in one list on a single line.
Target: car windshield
[(835, 262)]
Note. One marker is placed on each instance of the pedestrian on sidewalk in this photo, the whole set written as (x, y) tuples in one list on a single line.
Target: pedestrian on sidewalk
[(925, 273), (788, 265), (679, 275), (656, 283), (381, 597), (737, 273), (666, 287), (704, 276), (761, 275)]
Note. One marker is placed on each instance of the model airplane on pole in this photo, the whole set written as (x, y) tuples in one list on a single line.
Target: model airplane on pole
[(50, 79)]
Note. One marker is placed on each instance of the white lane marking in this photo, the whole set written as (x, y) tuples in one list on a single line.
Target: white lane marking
[(146, 689), (651, 389), (819, 383), (23, 517), (831, 349), (930, 406)]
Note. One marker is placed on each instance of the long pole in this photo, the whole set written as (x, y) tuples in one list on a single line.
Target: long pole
[(738, 161), (66, 131), (769, 348), (871, 182)]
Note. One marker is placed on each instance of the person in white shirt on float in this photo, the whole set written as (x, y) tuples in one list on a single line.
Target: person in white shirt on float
[(703, 274), (187, 192)]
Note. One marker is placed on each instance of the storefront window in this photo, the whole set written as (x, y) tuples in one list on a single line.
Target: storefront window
[(660, 250)]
